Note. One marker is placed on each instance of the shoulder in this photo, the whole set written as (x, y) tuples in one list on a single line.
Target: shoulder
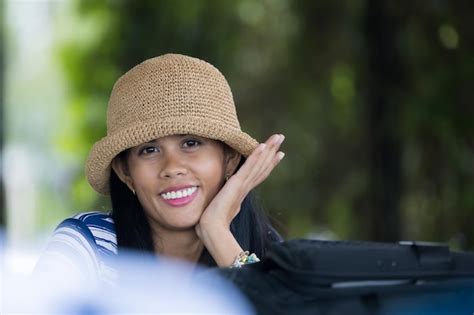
[(95, 228), (81, 245), (95, 218)]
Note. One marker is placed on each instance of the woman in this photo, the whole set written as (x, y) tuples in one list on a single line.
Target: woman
[(179, 171)]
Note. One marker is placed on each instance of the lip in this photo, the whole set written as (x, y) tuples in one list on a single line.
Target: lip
[(179, 202)]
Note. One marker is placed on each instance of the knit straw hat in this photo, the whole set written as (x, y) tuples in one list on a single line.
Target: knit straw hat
[(166, 95)]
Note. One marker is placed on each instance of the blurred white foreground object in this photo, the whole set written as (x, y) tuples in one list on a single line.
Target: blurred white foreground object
[(143, 285)]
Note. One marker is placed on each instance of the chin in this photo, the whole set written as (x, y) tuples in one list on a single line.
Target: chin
[(183, 225)]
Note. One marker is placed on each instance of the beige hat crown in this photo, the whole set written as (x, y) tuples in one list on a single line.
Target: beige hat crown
[(162, 96)]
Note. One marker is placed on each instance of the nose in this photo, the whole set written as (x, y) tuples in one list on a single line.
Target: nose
[(173, 166)]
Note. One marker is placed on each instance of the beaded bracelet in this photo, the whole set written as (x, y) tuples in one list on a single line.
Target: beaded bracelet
[(243, 259)]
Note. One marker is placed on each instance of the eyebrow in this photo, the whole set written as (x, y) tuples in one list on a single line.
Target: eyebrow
[(156, 140), (151, 141)]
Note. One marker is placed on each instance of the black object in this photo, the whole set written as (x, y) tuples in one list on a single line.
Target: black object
[(349, 277)]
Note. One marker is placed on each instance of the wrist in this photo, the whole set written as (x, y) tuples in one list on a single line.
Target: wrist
[(221, 244), (212, 231)]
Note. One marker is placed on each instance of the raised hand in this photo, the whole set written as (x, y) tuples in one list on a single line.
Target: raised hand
[(213, 227)]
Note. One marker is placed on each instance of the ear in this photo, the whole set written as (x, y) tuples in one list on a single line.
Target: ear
[(120, 168), (232, 159)]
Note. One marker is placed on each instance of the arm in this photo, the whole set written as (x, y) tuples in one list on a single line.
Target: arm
[(214, 225)]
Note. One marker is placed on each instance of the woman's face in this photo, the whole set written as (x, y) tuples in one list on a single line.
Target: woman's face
[(176, 177)]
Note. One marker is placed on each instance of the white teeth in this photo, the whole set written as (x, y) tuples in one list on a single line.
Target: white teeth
[(179, 193)]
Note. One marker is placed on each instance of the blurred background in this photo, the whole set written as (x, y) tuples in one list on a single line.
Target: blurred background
[(374, 98)]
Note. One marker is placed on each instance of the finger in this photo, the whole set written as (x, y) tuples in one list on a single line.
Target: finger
[(248, 167), (270, 167), (265, 162), (257, 162), (256, 157), (267, 158), (273, 146)]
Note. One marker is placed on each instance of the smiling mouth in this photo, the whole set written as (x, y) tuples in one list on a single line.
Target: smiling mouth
[(177, 194)]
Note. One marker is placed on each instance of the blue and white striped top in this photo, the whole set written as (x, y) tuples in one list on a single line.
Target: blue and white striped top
[(83, 245), (77, 273)]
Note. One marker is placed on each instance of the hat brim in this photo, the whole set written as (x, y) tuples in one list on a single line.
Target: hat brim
[(105, 150)]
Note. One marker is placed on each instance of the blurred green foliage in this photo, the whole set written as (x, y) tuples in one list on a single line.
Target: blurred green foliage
[(374, 99)]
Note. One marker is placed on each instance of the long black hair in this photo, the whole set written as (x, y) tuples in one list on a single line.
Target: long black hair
[(251, 227)]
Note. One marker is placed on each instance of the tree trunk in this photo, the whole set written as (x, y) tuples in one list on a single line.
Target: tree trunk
[(384, 77), (2, 48)]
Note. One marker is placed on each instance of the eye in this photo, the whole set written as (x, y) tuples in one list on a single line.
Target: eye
[(191, 143), (148, 150)]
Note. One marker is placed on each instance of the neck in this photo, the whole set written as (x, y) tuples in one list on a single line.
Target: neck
[(184, 245)]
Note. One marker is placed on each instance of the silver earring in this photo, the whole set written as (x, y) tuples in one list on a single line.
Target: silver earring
[(133, 190)]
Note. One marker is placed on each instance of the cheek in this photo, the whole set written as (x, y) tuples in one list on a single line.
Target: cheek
[(142, 175), (212, 172)]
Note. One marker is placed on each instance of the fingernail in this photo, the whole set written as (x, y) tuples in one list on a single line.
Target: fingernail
[(282, 137), (281, 155)]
